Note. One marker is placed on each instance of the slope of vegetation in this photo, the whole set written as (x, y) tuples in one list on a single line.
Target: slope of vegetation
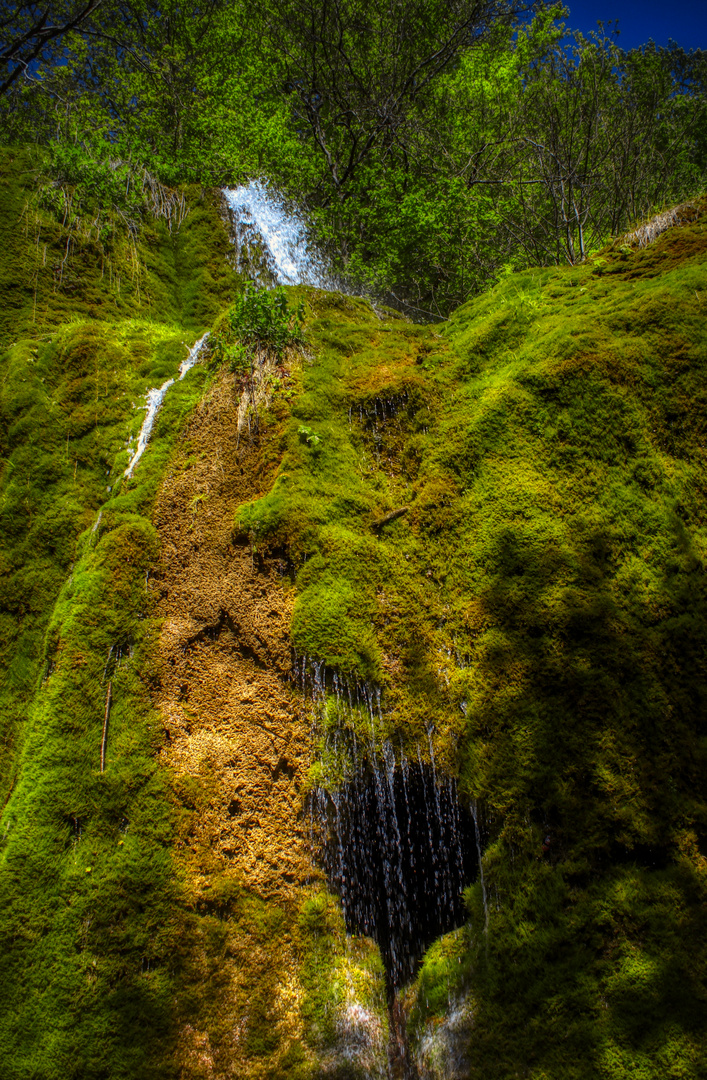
[(541, 606), (88, 887), (499, 521), (108, 954)]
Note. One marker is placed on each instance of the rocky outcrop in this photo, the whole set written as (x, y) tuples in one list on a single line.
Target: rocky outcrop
[(226, 704), (235, 734)]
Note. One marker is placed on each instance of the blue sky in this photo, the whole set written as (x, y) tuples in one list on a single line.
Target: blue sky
[(639, 20)]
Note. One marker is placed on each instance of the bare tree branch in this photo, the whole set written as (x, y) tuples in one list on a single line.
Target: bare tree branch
[(31, 29)]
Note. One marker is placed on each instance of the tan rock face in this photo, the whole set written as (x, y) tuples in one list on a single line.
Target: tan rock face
[(236, 738), (228, 710)]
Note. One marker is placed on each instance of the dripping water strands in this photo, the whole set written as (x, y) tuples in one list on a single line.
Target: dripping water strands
[(116, 655), (477, 835), (271, 240), (396, 844), (104, 738), (377, 415), (154, 400)]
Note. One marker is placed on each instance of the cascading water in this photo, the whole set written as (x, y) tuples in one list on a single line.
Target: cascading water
[(396, 854), (397, 845), (273, 247), (271, 240), (153, 404)]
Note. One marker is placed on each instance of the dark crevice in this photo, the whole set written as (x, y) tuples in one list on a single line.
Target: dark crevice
[(213, 631), (398, 848), (284, 768)]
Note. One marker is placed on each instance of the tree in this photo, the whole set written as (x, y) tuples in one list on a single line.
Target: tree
[(603, 136), (32, 32), (129, 77), (355, 68)]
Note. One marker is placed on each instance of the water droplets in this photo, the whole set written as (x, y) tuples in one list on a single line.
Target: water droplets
[(396, 844)]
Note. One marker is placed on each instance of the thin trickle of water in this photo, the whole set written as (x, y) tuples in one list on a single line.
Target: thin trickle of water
[(384, 842), (477, 833), (155, 397), (454, 803), (429, 819), (404, 773), (443, 854), (341, 868), (389, 759), (396, 845), (272, 241)]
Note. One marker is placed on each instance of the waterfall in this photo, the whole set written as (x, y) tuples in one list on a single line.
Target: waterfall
[(481, 866), (272, 241), (154, 400), (397, 845)]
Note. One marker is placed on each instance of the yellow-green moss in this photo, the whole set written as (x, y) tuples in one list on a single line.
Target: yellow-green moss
[(541, 606), (63, 259), (538, 604), (93, 923), (344, 1006)]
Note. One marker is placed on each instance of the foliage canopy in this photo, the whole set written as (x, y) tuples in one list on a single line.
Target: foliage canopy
[(432, 144)]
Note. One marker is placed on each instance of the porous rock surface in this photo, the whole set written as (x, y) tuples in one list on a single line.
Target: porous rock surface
[(231, 719)]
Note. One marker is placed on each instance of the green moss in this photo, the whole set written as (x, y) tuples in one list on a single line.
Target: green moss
[(443, 976), (538, 604), (541, 606), (344, 991), (86, 867), (62, 260), (93, 924), (329, 494)]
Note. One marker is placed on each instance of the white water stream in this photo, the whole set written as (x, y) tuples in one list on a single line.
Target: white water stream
[(155, 397), (273, 246), (271, 237)]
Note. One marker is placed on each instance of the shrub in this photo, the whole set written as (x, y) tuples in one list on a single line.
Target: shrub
[(262, 317)]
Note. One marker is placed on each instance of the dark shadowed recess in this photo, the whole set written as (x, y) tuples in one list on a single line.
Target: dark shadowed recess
[(399, 849)]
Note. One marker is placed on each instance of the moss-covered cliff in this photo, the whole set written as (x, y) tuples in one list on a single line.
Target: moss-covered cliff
[(497, 524)]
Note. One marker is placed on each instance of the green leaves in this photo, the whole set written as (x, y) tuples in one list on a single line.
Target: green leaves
[(430, 143), (262, 317)]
